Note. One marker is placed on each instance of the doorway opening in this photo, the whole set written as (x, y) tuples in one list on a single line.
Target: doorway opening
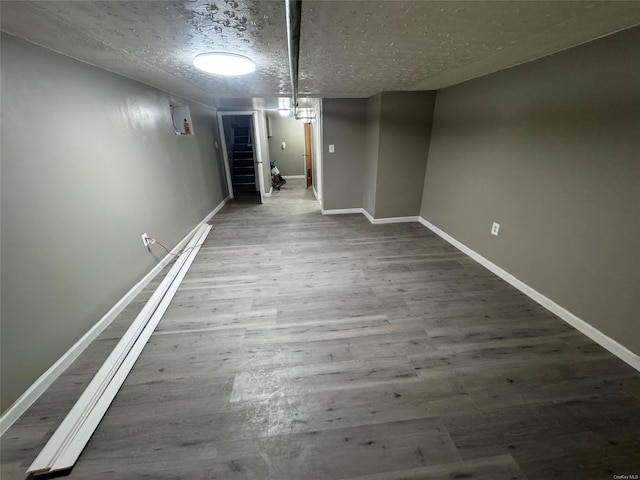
[(308, 155), (290, 150), (242, 156)]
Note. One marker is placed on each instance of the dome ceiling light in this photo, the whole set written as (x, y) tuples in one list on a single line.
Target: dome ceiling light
[(227, 64)]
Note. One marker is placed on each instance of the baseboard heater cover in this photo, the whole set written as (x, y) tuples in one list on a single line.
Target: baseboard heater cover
[(64, 447)]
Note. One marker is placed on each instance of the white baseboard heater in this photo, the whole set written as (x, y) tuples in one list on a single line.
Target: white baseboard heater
[(63, 449)]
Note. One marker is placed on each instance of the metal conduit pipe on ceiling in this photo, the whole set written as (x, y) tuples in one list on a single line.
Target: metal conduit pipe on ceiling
[(294, 19)]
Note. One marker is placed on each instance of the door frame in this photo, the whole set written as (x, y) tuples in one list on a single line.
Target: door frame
[(308, 154), (257, 148)]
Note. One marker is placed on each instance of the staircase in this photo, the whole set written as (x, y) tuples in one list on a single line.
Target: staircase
[(243, 175)]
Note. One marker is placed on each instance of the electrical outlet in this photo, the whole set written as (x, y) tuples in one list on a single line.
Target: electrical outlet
[(146, 241), (495, 229)]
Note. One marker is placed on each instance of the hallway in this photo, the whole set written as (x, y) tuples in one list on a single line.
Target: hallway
[(303, 346)]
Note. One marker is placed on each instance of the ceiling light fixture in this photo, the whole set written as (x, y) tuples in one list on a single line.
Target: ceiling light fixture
[(228, 64)]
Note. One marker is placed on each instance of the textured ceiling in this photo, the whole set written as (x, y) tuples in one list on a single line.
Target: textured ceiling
[(348, 48), (354, 48)]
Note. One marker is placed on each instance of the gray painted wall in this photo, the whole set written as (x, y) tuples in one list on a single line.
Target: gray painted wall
[(290, 161), (89, 163), (372, 142), (344, 121), (403, 145), (387, 138), (550, 150)]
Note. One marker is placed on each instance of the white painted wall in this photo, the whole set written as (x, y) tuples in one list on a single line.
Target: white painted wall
[(316, 138), (264, 149)]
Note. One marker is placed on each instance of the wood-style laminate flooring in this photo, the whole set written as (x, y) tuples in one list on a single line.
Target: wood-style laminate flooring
[(303, 347)]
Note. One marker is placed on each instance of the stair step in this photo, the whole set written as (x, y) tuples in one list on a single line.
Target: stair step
[(243, 162), (244, 187), (247, 177)]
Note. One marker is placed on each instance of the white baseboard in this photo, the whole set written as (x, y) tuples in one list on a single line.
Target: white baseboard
[(287, 177), (380, 221), (268, 194), (15, 411), (341, 211), (593, 333), (72, 435), (184, 241), (367, 215), (374, 221)]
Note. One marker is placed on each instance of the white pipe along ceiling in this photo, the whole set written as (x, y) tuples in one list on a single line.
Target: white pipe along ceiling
[(294, 18)]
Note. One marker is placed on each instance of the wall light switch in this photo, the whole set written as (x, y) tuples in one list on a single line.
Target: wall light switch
[(283, 145), (495, 228), (332, 149)]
